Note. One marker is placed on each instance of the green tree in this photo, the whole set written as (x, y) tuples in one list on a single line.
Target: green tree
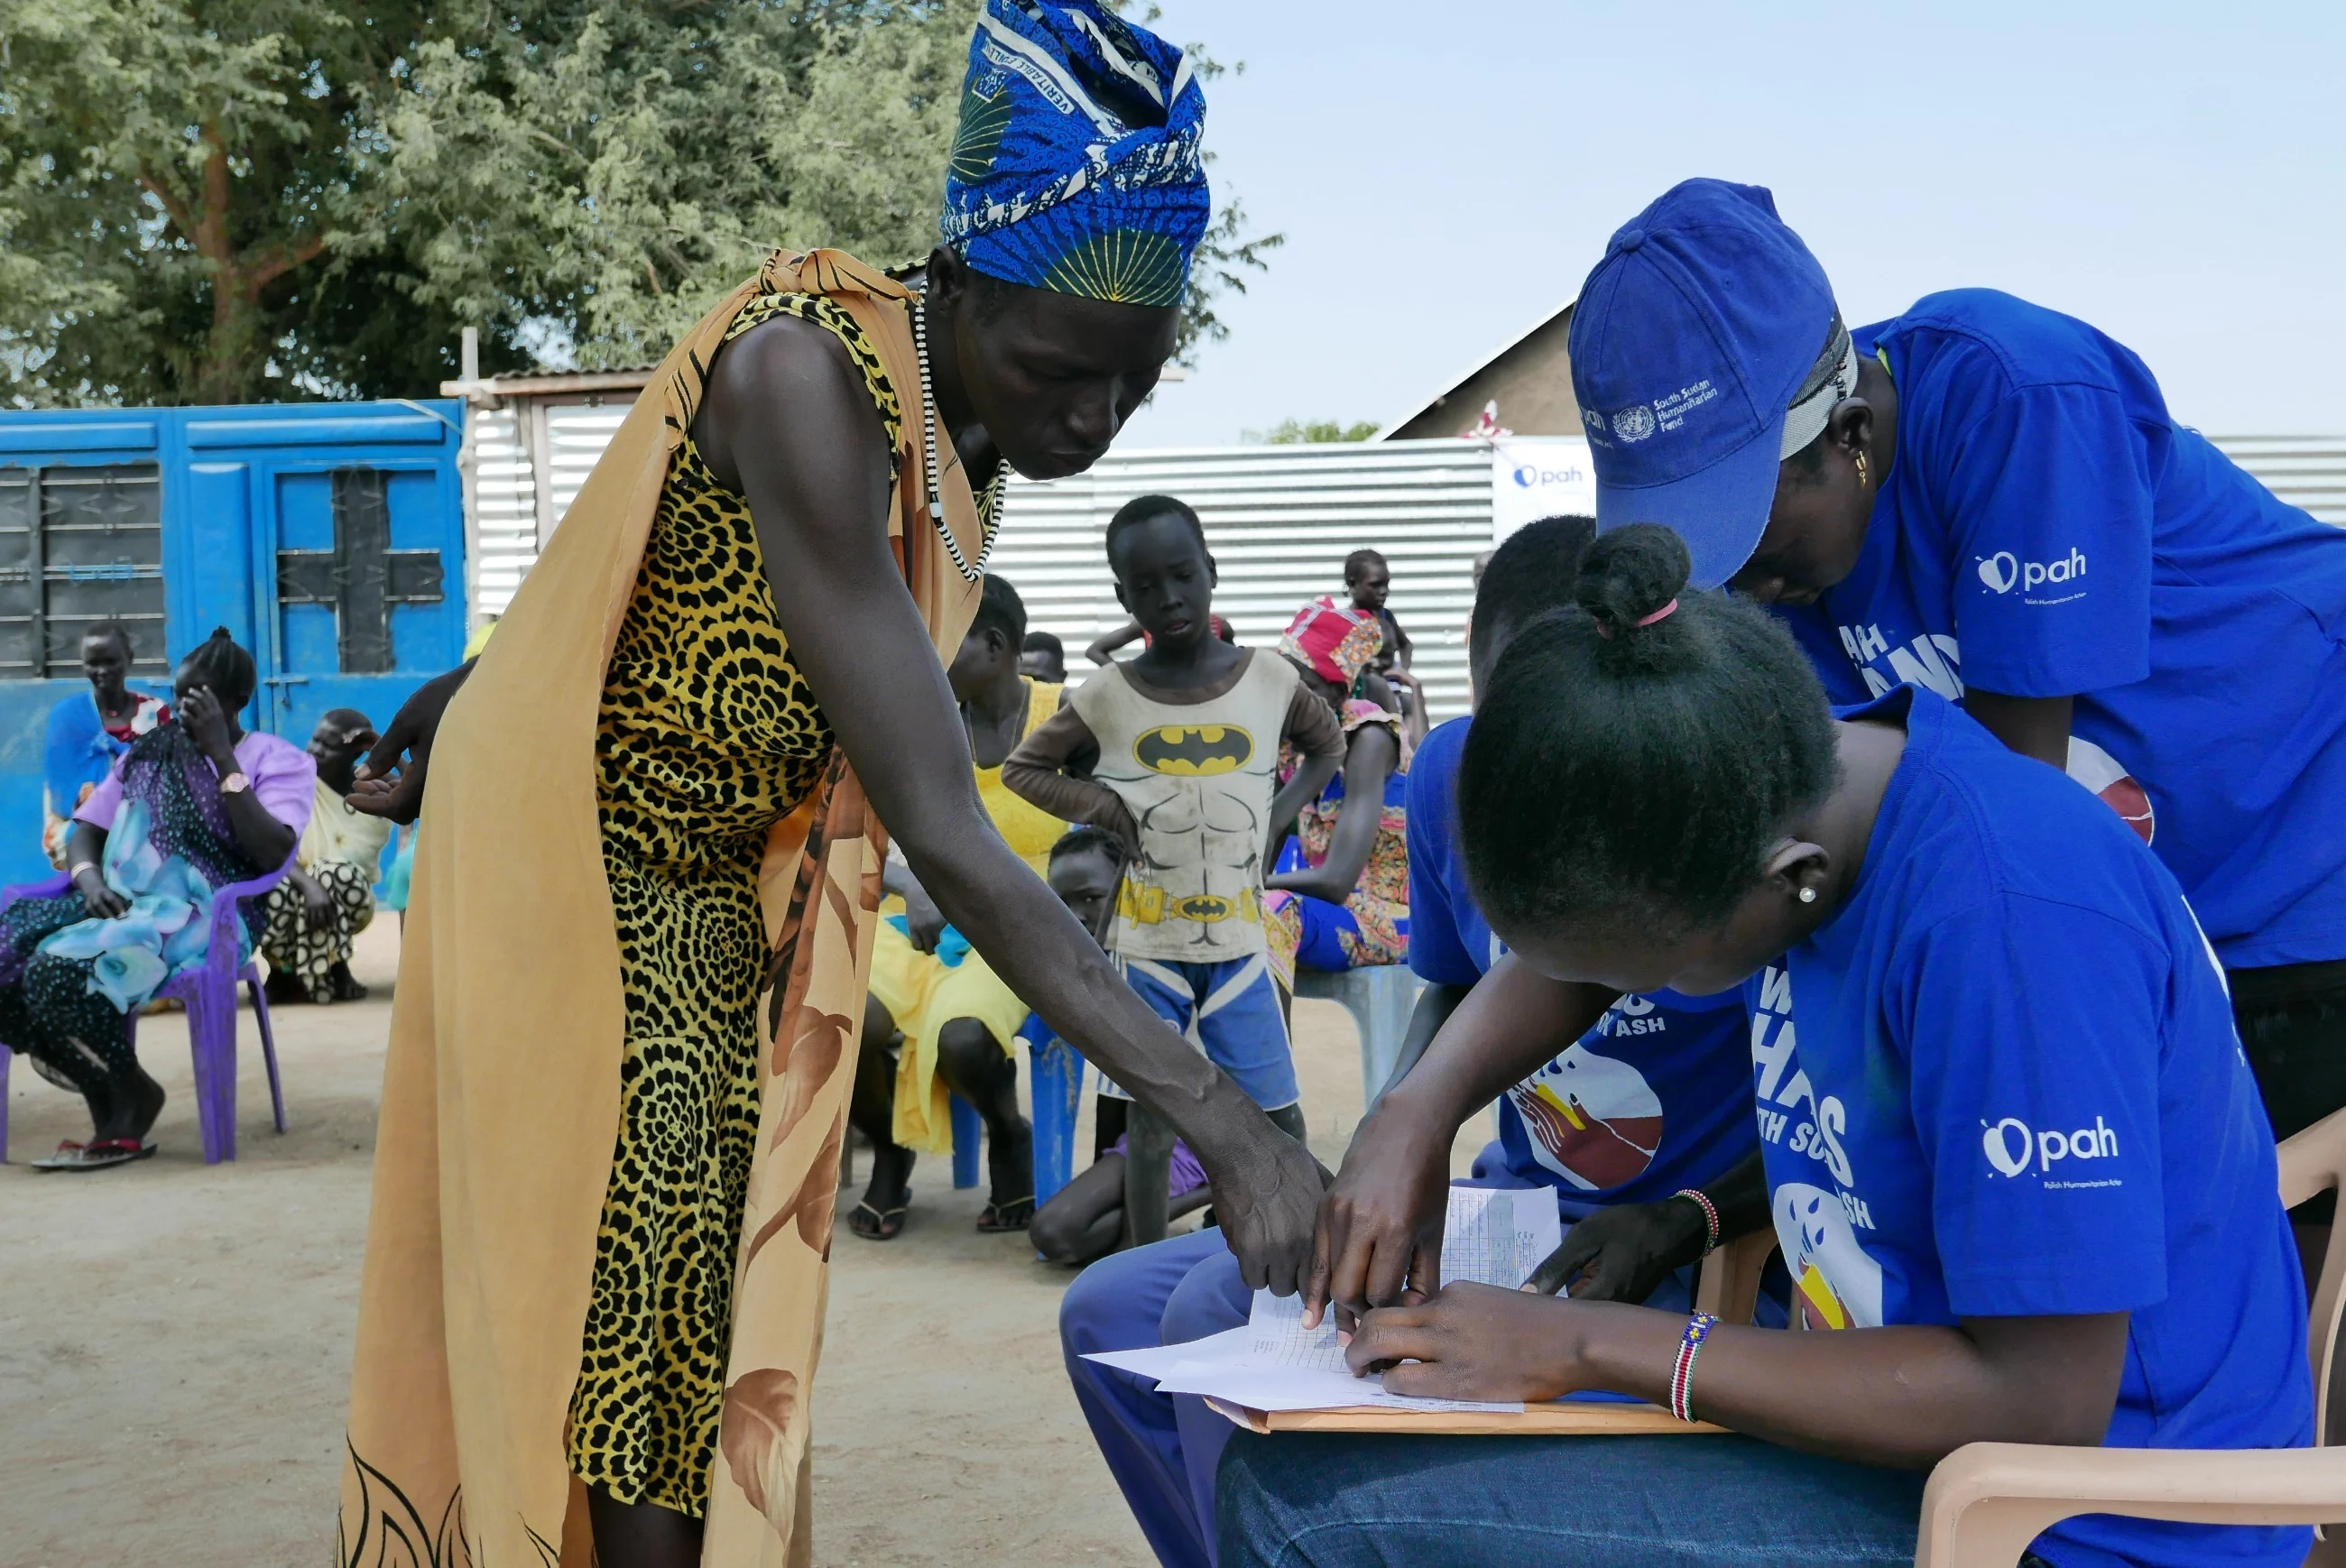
[(613, 169), (165, 171), (618, 173), (1298, 432), (224, 199)]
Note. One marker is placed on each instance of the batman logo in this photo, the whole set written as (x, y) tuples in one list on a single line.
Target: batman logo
[(1203, 907), (1193, 750)]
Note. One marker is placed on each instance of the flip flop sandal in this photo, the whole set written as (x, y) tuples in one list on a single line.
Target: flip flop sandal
[(883, 1223), (998, 1219), (95, 1156)]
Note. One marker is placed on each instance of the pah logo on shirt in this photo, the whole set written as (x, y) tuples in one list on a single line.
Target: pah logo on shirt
[(2009, 1146), (2004, 571)]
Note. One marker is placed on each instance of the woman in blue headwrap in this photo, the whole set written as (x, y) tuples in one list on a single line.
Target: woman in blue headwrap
[(660, 793)]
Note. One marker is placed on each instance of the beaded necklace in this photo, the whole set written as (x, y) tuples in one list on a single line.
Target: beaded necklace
[(989, 507)]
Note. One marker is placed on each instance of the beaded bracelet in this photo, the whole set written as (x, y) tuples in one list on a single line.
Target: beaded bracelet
[(1710, 1217), (1697, 1329)]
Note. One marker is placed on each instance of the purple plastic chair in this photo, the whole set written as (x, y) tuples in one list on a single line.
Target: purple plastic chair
[(209, 995)]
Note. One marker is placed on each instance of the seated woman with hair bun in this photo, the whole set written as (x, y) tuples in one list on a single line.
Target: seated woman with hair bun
[(2015, 1160), (194, 805)]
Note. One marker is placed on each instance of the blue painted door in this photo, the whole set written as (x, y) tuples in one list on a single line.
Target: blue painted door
[(362, 568)]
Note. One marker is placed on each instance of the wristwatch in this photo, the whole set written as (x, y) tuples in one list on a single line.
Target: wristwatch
[(235, 784)]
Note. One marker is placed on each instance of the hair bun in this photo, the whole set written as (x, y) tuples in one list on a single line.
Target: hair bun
[(1629, 573)]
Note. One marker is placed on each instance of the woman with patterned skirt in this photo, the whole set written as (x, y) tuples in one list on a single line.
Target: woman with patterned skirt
[(1338, 895), (606, 1167)]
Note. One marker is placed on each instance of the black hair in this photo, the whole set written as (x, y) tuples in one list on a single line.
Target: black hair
[(1141, 509), (1627, 772), (1360, 561), (1043, 642), (1087, 840), (999, 606), (218, 663), (1535, 572), (118, 632)]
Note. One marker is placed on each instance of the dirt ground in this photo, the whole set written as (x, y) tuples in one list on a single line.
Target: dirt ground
[(174, 1339)]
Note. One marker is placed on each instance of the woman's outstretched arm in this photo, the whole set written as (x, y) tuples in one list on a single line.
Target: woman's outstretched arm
[(1906, 1396), (390, 781), (787, 422), (1380, 1226)]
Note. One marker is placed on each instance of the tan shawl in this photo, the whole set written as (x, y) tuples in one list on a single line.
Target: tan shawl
[(501, 1094)]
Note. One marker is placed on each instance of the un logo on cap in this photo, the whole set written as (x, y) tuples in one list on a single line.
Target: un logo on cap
[(1634, 423)]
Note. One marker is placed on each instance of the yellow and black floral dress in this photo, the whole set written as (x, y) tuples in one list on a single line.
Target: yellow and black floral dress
[(708, 736)]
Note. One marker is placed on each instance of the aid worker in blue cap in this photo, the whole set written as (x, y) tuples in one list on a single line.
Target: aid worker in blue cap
[(1990, 499)]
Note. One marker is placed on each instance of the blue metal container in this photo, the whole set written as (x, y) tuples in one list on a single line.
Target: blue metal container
[(328, 539)]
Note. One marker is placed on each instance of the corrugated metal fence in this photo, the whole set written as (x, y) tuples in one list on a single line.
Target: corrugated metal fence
[(514, 445), (1280, 519)]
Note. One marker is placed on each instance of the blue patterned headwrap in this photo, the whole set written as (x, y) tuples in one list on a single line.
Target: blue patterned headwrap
[(1076, 167)]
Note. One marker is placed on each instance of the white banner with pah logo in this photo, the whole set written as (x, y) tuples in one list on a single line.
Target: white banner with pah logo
[(1536, 476)]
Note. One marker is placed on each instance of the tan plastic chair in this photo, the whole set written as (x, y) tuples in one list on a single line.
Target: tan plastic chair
[(1987, 1501)]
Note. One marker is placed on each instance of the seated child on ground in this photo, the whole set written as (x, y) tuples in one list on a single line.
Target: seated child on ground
[(939, 1021), (1182, 743), (315, 915), (2014, 1154), (1085, 1219)]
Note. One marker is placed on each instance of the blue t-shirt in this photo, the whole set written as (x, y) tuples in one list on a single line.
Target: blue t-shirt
[(1655, 1098), (2047, 530), (2002, 1081)]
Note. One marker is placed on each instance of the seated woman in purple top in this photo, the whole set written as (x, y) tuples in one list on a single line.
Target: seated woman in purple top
[(193, 805)]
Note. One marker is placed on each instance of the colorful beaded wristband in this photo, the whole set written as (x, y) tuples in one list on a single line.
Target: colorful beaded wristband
[(1710, 1217), (1697, 1329)]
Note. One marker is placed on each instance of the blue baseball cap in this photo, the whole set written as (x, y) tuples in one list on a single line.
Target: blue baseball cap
[(1705, 322)]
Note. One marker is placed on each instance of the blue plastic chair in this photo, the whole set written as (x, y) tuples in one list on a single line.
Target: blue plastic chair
[(210, 995), (1057, 1078), (1057, 1081), (1381, 999), (968, 1128)]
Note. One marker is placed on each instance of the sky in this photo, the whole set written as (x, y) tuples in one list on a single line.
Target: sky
[(1445, 174)]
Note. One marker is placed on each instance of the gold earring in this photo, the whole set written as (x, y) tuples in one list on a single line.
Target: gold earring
[(1861, 480)]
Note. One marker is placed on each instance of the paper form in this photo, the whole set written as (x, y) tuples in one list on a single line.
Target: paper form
[(1490, 1236)]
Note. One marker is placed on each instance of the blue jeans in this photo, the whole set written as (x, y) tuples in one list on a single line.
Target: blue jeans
[(1161, 1448), (1328, 1500)]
